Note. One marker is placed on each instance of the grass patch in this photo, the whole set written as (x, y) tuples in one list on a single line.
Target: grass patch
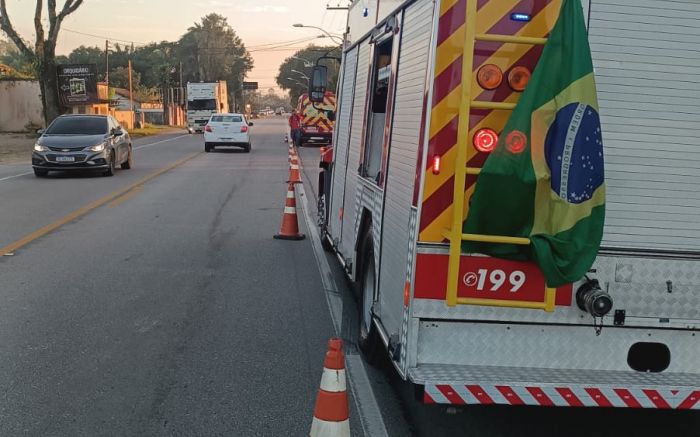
[(149, 129)]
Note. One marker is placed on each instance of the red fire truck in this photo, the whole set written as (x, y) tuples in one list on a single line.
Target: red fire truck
[(415, 121)]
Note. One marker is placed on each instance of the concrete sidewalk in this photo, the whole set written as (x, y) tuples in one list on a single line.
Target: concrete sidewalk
[(15, 147)]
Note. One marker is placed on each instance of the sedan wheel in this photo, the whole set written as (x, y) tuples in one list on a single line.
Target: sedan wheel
[(40, 173), (112, 165), (126, 165)]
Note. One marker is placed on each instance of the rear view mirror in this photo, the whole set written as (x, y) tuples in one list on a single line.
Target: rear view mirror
[(40, 131), (318, 83)]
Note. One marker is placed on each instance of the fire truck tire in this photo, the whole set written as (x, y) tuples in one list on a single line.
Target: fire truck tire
[(368, 339)]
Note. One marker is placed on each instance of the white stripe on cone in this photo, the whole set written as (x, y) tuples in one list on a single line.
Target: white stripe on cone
[(290, 194), (290, 210), (333, 381), (322, 428)]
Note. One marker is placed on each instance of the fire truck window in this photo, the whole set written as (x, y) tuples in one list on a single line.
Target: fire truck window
[(378, 109)]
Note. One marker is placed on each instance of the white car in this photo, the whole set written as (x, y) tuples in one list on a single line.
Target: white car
[(227, 130)]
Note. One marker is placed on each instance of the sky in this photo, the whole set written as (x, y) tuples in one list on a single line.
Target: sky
[(257, 22)]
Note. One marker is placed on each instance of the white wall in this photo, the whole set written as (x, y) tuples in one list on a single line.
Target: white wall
[(20, 105)]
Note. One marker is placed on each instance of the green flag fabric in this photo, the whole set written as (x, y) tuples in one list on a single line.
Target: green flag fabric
[(545, 180)]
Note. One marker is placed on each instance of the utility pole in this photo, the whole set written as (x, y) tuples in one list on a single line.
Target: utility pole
[(181, 93), (107, 66), (131, 99)]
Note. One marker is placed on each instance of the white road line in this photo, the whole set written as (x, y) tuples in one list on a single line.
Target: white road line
[(160, 142), (7, 178), (365, 401)]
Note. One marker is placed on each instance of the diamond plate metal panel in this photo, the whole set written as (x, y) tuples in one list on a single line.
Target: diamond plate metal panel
[(552, 347), (520, 375)]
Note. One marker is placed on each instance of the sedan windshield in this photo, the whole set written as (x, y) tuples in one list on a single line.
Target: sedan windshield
[(78, 126)]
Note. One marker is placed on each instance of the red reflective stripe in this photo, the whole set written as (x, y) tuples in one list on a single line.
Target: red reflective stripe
[(540, 396), (427, 399), (480, 394), (569, 396), (627, 398), (510, 395), (690, 401), (450, 394), (656, 399), (451, 20), (598, 397)]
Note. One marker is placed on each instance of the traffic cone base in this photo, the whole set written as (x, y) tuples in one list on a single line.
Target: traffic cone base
[(331, 415), (321, 428)]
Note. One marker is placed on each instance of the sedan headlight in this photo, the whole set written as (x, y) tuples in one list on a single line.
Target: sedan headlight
[(39, 148), (97, 147)]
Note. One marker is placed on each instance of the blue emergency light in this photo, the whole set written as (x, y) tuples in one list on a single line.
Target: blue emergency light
[(516, 16)]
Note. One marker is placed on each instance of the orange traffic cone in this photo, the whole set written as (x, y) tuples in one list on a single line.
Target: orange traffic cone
[(331, 416), (290, 225), (294, 175)]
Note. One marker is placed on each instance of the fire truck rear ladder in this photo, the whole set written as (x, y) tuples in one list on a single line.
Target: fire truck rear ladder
[(455, 235)]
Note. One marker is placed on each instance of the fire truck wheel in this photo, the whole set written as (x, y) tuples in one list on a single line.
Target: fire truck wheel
[(368, 340)]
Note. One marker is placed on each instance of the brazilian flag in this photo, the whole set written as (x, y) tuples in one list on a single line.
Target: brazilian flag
[(544, 180)]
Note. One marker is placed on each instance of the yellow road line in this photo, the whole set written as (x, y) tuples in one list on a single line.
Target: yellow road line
[(12, 247), (126, 196)]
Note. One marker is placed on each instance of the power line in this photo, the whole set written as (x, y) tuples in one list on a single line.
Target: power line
[(103, 37)]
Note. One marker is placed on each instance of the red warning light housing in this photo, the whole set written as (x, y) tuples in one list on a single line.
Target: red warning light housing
[(485, 140)]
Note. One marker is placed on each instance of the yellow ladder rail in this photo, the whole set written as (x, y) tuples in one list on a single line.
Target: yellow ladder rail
[(455, 234)]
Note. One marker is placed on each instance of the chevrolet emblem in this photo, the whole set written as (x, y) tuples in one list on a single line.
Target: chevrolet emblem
[(65, 150)]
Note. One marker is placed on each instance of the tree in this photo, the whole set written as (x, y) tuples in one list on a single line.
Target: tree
[(119, 78), (289, 77), (43, 54), (11, 57), (212, 51)]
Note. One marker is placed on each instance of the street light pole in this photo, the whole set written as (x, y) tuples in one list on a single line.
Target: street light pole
[(330, 35), (301, 74)]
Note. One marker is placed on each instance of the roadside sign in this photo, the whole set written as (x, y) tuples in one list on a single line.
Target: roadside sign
[(77, 84), (250, 85)]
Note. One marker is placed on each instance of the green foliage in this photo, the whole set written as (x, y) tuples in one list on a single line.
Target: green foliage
[(294, 82), (9, 55)]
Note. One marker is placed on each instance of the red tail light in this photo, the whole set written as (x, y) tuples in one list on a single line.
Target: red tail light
[(244, 128), (207, 128), (516, 142), (485, 140), (436, 164), (518, 78)]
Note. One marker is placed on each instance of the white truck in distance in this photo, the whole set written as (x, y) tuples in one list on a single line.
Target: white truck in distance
[(203, 100)]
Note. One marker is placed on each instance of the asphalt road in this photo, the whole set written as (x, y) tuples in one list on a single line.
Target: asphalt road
[(164, 307), (167, 310)]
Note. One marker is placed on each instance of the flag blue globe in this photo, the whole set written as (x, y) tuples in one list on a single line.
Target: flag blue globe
[(574, 153)]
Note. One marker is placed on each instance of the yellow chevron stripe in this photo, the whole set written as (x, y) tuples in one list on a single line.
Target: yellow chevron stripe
[(452, 47), (433, 232), (445, 5)]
